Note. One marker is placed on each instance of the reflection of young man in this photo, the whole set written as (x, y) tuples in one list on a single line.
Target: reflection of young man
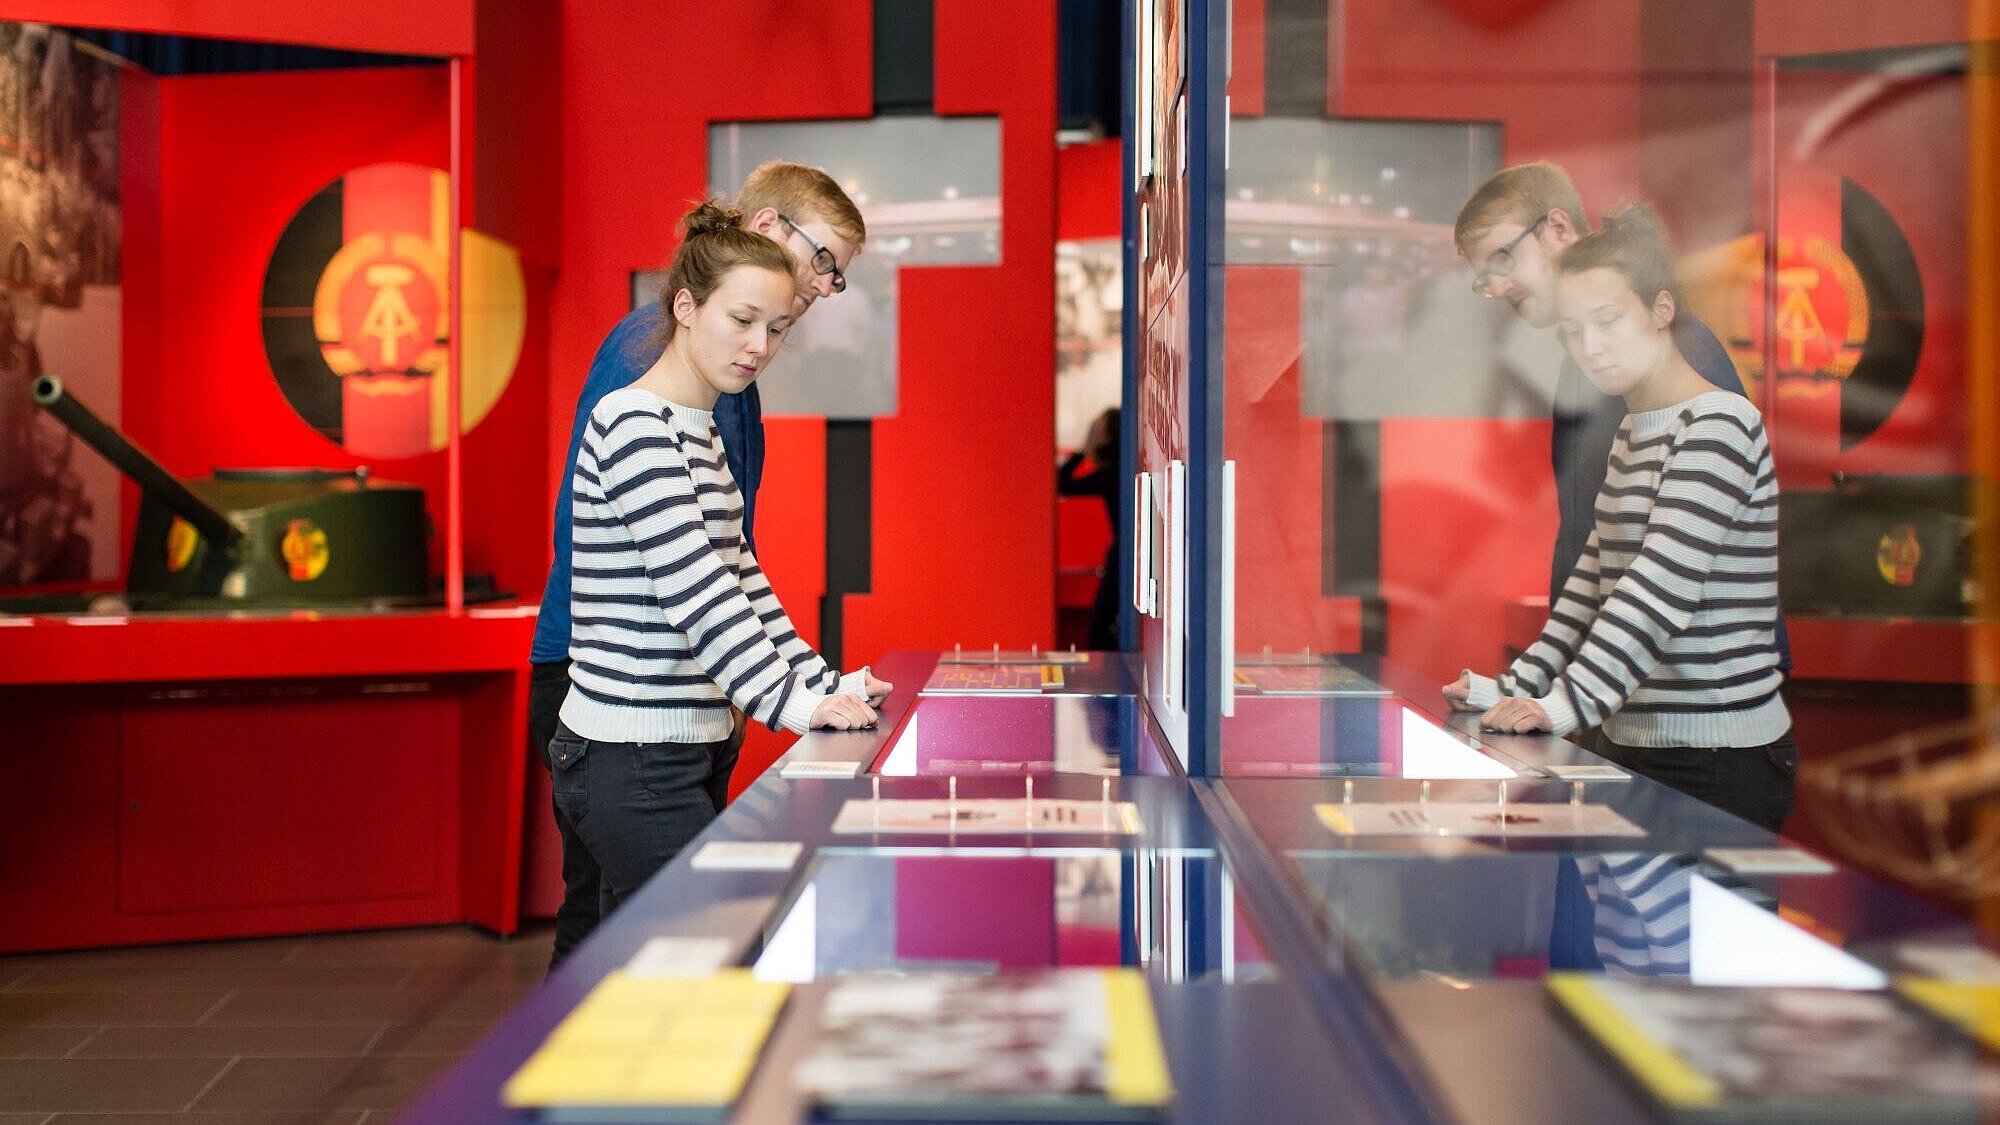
[(803, 210)]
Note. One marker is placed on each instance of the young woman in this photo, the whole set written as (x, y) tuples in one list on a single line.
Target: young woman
[(1664, 634), (672, 622)]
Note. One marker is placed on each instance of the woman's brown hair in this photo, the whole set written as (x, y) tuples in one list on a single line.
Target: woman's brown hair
[(1632, 241), (714, 243)]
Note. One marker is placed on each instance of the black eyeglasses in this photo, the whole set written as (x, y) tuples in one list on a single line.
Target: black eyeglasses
[(822, 259), (1501, 262)]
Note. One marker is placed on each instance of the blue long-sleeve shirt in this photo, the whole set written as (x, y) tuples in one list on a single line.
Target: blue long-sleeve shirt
[(625, 355), (1586, 421)]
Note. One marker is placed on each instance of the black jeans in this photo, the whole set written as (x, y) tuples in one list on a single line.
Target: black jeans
[(1757, 783), (635, 805), (548, 684)]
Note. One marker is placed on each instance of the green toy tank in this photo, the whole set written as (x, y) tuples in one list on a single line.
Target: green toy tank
[(260, 536)]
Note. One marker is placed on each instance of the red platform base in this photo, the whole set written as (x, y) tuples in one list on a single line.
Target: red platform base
[(176, 779)]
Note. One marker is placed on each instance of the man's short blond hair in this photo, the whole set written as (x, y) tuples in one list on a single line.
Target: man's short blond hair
[(802, 193), (1520, 194)]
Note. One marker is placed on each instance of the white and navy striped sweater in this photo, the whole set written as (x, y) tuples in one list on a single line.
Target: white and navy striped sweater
[(671, 619), (1665, 631)]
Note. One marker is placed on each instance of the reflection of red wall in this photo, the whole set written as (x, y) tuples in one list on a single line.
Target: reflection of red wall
[(977, 910), (1279, 521)]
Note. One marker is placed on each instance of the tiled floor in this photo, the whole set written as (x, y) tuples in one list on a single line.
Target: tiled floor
[(333, 1029)]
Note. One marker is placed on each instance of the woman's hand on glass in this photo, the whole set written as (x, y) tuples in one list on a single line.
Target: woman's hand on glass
[(1459, 692), (878, 690), (843, 712), (1515, 716)]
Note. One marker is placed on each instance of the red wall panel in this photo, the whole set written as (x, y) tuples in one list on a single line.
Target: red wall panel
[(964, 498), (434, 27)]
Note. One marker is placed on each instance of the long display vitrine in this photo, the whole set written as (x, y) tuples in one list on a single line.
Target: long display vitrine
[(1299, 963)]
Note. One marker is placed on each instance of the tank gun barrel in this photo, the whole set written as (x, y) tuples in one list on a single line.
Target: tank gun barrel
[(50, 395)]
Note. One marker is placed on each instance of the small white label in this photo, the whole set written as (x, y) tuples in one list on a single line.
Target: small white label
[(680, 957), (1963, 964), (791, 770), (98, 620), (747, 855), (1770, 861), (1576, 771)]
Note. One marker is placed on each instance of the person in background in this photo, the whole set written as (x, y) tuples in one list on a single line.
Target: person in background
[(1665, 634), (805, 212), (672, 622), (1100, 449)]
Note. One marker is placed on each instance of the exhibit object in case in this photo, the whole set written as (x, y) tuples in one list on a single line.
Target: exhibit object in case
[(1783, 1054), (988, 816), (1306, 679), (1474, 818), (664, 1049), (995, 679), (1063, 1045)]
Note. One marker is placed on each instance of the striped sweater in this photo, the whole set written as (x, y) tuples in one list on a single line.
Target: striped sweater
[(671, 619), (1664, 632)]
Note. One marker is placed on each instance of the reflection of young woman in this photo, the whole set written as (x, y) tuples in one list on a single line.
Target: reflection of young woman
[(1664, 633), (671, 619)]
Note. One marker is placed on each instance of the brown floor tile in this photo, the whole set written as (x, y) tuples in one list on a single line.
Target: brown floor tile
[(164, 977), (187, 955), (32, 1119), (51, 1009), (429, 1038), (440, 946), (482, 1006), (498, 973), (103, 1085), (309, 1117), (341, 1117), (266, 1085), (314, 1041), (40, 1042), (257, 1006)]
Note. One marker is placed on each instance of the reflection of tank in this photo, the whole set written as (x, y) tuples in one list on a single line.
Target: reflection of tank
[(1898, 546), (261, 535)]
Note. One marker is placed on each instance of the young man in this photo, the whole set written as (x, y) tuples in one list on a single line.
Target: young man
[(806, 212)]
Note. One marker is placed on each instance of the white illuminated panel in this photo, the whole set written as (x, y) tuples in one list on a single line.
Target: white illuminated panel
[(1430, 753), (902, 759), (791, 954), (1733, 941)]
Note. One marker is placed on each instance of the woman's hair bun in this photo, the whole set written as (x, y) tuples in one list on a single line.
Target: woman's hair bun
[(1636, 218), (710, 216)]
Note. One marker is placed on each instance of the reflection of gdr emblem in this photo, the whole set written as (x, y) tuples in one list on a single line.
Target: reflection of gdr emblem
[(304, 550), (1898, 555)]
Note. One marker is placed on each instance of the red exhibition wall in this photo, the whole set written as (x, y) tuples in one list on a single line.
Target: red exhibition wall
[(963, 501)]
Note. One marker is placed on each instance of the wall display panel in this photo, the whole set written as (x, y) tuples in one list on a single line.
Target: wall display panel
[(929, 190), (1170, 451), (61, 241)]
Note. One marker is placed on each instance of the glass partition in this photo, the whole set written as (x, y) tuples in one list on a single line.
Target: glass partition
[(1170, 912), (1421, 401)]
